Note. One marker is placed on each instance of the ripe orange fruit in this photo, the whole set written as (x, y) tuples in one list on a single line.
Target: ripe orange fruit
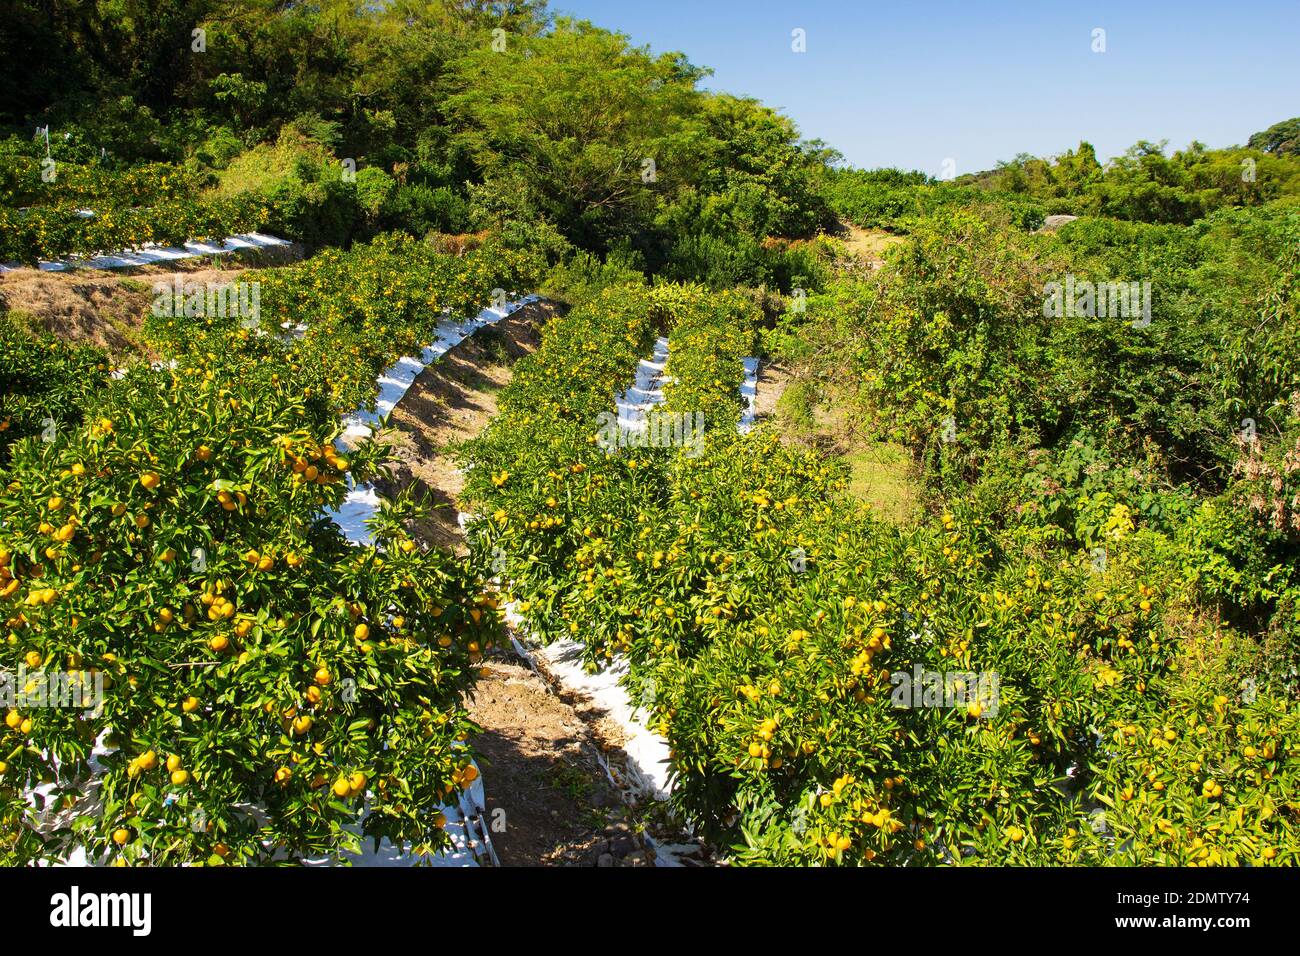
[(219, 643), (342, 787), (121, 835), (190, 705), (150, 480), (180, 778), (323, 677)]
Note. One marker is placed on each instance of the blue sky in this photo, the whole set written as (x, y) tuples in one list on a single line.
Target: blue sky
[(911, 84)]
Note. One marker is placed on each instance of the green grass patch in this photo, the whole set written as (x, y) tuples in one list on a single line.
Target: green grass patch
[(882, 475)]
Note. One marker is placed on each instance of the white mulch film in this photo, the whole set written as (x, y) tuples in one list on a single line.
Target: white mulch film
[(151, 254), (749, 392), (466, 826), (646, 391)]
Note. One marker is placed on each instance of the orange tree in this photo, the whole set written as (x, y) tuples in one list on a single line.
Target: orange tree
[(269, 690), (44, 383), (51, 232)]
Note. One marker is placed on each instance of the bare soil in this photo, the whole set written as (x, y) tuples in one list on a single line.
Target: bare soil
[(550, 801), (451, 401), (541, 759), (773, 377), (869, 245)]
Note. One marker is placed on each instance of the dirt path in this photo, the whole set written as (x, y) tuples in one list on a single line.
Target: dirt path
[(451, 401), (549, 799), (773, 377), (542, 770)]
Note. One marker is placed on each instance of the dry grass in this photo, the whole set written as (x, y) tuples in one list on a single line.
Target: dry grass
[(91, 306), (869, 244)]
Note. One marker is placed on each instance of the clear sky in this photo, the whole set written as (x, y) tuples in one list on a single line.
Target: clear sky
[(911, 84)]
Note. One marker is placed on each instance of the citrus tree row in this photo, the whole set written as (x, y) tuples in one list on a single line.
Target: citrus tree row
[(52, 232), (27, 181), (362, 309), (838, 690), (239, 684), (551, 457)]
